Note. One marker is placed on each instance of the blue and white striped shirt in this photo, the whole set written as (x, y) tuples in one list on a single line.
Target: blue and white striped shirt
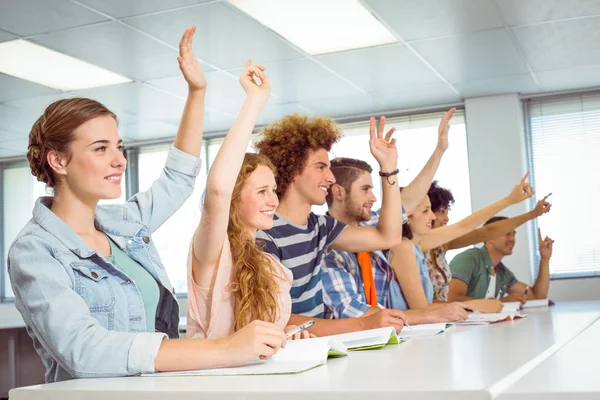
[(301, 248)]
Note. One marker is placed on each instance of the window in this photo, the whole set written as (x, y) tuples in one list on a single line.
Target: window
[(416, 138), (564, 144), (173, 238), (20, 189)]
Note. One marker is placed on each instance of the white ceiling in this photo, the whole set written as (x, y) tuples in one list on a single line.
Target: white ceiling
[(447, 50)]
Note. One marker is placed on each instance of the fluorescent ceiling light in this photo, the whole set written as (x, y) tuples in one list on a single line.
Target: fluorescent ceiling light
[(319, 26), (38, 64)]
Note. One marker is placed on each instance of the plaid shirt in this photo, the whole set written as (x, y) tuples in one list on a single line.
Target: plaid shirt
[(344, 292)]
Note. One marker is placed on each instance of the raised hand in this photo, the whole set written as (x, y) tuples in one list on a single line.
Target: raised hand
[(542, 206), (247, 80), (189, 65), (545, 246), (383, 148), (442, 143), (257, 339), (521, 192)]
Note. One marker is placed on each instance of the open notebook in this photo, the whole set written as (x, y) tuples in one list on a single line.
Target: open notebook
[(298, 356), (514, 306), (491, 318), (423, 330), (369, 339)]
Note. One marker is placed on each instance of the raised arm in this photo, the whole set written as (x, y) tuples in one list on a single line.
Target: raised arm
[(189, 134), (439, 236), (389, 228), (212, 230), (417, 189), (498, 228)]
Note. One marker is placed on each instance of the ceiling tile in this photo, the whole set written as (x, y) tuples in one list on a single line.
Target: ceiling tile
[(225, 36), (14, 88), (434, 18), (6, 153), (29, 17), (519, 12), (275, 112), (572, 78), (473, 56), (138, 99), (418, 96), (336, 107), (117, 48), (16, 120), (300, 80), (128, 8), (17, 145), (560, 45), (5, 36), (147, 130), (377, 68), (522, 83), (214, 122)]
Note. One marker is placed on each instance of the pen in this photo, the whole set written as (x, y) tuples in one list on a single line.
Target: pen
[(300, 328)]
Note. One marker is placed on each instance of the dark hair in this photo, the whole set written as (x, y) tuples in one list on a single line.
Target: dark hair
[(55, 131), (287, 142), (439, 197), (346, 171), (494, 219)]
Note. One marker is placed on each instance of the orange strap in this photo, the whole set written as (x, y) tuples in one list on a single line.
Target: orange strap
[(364, 260)]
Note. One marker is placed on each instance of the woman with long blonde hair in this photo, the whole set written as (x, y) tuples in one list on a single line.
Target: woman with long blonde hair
[(231, 281)]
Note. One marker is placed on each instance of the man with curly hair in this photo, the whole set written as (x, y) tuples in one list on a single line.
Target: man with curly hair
[(298, 147)]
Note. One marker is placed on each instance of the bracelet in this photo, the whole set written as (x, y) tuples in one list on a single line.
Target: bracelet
[(387, 175)]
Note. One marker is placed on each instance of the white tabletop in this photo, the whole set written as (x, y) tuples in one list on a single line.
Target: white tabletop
[(463, 363), (570, 373), (10, 317)]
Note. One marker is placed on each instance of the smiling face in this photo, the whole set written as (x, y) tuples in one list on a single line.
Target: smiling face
[(315, 179), (421, 221), (441, 217), (97, 164), (258, 199), (358, 202), (503, 244)]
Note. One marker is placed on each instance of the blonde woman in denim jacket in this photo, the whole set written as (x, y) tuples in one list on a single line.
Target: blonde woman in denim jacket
[(87, 279)]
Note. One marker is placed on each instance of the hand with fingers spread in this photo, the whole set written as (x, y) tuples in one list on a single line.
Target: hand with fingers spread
[(545, 246), (383, 148), (443, 130), (189, 65), (384, 318), (257, 339), (542, 206), (254, 90), (521, 192)]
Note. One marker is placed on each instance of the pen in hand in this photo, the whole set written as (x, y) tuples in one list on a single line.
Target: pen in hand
[(300, 328)]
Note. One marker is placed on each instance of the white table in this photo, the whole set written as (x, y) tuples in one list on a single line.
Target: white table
[(570, 373), (464, 363), (11, 320)]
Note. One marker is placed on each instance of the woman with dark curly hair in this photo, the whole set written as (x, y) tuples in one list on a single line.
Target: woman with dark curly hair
[(298, 147), (441, 203)]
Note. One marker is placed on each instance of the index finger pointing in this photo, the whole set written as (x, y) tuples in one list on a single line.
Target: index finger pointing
[(525, 177)]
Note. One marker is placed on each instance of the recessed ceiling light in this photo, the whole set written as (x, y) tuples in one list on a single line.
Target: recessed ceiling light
[(29, 61), (319, 26)]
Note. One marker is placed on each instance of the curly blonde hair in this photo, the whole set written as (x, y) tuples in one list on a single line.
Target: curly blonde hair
[(287, 142), (253, 279)]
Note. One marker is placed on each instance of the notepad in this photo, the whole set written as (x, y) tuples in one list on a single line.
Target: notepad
[(515, 306), (298, 356), (490, 318), (368, 339), (423, 330)]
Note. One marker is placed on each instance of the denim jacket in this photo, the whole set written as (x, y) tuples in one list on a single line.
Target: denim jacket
[(86, 318)]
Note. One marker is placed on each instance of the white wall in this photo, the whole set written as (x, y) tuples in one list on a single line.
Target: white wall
[(497, 160)]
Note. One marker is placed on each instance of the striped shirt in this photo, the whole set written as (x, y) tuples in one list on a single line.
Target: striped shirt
[(301, 248)]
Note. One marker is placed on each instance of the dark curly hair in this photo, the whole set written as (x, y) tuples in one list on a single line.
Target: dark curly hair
[(287, 142), (439, 197)]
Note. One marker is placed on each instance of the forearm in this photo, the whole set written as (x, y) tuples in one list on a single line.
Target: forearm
[(225, 168), (326, 327), (418, 188), (189, 134), (189, 354), (542, 283), (504, 226), (390, 218), (460, 297)]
